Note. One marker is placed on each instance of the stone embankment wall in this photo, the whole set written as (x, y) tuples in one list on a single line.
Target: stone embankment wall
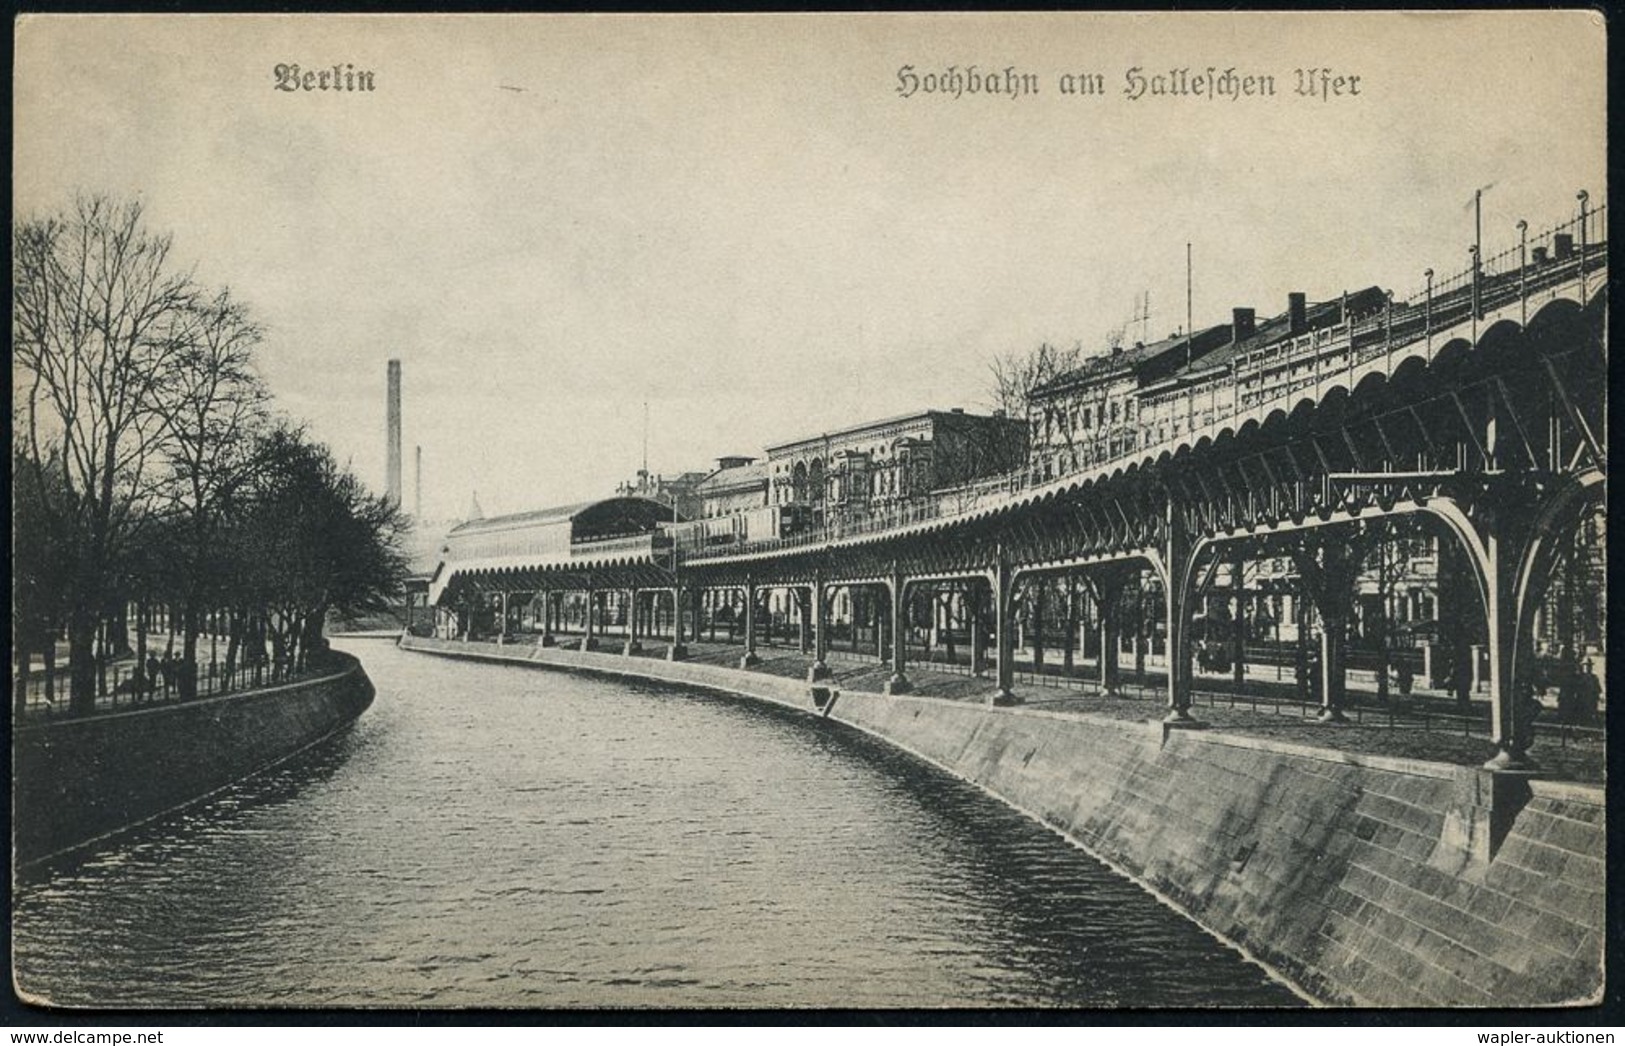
[(1360, 880), (77, 780)]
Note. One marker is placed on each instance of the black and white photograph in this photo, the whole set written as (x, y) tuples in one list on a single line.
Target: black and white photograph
[(1053, 513)]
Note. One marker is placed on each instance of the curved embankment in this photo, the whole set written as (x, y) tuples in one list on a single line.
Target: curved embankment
[(1360, 880), (77, 780)]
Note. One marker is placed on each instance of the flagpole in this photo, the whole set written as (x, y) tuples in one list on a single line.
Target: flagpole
[(1190, 330), (1190, 335)]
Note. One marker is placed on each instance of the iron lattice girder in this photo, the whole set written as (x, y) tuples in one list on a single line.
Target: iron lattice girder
[(1576, 417)]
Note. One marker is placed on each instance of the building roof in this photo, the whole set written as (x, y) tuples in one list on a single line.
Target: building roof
[(1135, 359), (1277, 328), (730, 479), (918, 415)]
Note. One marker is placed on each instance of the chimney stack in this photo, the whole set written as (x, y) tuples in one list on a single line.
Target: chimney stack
[(1241, 325), (1564, 245), (393, 492), (417, 485), (1539, 256), (1297, 310)]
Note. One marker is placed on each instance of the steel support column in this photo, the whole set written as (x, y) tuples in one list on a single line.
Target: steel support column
[(633, 646), (898, 592), (677, 651), (1005, 631), (978, 629), (880, 627), (1329, 584), (1334, 630), (750, 657), (1178, 583), (547, 620), (820, 625), (1106, 590), (1506, 539)]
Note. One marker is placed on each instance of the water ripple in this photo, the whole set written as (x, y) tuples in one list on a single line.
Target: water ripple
[(490, 836)]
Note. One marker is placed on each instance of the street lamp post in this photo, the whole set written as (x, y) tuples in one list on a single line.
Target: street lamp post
[(1523, 272), (1388, 334), (1477, 298), (1427, 315), (1584, 197)]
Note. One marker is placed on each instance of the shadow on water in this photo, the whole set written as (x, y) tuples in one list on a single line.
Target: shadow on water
[(218, 811)]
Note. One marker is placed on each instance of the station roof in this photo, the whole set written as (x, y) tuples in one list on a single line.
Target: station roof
[(630, 510)]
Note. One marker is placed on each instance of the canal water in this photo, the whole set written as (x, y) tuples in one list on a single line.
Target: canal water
[(500, 836)]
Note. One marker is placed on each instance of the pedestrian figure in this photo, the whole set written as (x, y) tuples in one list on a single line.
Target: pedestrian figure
[(1403, 677), (154, 672), (1590, 690)]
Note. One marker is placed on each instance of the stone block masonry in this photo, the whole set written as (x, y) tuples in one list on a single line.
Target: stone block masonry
[(77, 780), (1361, 880)]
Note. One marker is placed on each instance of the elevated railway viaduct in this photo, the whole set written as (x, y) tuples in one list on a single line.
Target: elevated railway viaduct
[(1479, 407)]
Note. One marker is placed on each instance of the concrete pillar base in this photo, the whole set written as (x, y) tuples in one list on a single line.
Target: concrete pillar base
[(1507, 759), (749, 661), (1180, 719), (676, 652), (818, 671), (632, 647), (1002, 698), (1332, 715), (898, 684)]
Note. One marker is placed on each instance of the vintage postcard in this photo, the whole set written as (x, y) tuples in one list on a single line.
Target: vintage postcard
[(809, 511)]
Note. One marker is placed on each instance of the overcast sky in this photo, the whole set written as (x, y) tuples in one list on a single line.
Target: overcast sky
[(738, 219)]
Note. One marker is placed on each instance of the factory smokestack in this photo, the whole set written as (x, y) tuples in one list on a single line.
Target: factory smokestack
[(394, 422), (417, 485)]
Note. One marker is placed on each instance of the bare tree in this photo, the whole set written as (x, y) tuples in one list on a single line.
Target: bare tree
[(1018, 377), (213, 406), (95, 312)]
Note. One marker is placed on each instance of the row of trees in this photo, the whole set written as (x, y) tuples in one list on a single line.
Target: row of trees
[(149, 469)]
